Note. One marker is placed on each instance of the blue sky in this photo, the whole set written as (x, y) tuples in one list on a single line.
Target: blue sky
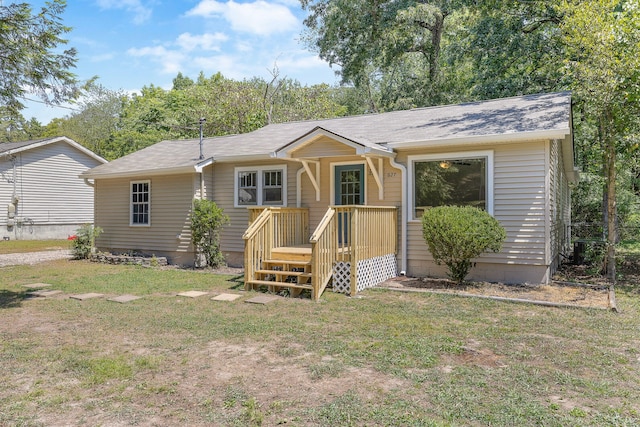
[(133, 43)]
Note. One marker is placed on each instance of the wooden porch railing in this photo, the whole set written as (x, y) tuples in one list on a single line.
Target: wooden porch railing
[(324, 248), (272, 228), (365, 232), (290, 225)]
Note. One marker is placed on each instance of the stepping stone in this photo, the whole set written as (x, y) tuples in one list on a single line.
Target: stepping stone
[(36, 285), (124, 298), (45, 293), (83, 297), (226, 297), (192, 294), (262, 299)]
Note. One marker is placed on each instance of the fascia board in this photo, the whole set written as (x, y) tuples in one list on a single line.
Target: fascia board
[(484, 139), (139, 173), (58, 139)]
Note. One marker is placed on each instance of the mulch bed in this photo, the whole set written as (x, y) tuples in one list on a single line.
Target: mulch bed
[(557, 293)]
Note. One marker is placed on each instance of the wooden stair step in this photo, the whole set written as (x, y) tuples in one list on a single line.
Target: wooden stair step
[(282, 284), (288, 262), (284, 273)]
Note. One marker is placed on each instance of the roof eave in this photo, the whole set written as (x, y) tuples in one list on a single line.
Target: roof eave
[(138, 173), (54, 140), (484, 139)]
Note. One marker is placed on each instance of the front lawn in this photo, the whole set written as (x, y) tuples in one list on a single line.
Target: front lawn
[(383, 358), (20, 246)]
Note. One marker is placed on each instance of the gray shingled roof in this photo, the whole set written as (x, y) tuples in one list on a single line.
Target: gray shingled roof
[(523, 115), (11, 146)]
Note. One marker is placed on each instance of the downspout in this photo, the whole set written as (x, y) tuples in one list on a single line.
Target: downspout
[(298, 189), (202, 185), (403, 220)]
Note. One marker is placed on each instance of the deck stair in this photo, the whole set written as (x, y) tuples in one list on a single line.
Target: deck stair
[(288, 267)]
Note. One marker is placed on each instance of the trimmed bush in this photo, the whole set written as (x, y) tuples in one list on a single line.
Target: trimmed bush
[(83, 241), (207, 220), (457, 234)]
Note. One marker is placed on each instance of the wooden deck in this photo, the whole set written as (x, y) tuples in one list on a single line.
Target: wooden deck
[(279, 254)]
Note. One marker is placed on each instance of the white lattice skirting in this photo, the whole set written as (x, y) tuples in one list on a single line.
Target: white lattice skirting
[(369, 273)]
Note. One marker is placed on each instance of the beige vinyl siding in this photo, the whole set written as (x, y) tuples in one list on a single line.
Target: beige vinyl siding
[(170, 207), (392, 183), (560, 205), (323, 147), (222, 193), (519, 205), (48, 186)]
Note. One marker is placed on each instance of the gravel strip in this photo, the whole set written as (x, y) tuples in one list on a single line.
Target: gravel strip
[(32, 258)]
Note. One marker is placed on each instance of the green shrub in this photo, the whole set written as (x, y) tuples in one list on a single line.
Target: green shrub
[(83, 241), (457, 234), (207, 220)]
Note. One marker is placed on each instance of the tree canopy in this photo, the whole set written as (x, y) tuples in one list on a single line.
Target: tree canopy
[(30, 60)]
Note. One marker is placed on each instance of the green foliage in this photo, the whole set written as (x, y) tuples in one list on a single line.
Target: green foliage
[(82, 243), (30, 55), (602, 56), (207, 220), (114, 124), (457, 234)]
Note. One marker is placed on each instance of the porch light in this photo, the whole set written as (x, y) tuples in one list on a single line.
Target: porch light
[(445, 164)]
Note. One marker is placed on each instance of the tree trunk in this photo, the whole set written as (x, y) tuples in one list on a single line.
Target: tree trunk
[(610, 171)]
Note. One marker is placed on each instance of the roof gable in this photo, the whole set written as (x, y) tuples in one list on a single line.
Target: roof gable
[(11, 148)]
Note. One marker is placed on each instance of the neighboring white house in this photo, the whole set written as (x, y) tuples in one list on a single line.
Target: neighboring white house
[(41, 193)]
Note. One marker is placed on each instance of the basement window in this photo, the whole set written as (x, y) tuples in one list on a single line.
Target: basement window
[(140, 203), (258, 186)]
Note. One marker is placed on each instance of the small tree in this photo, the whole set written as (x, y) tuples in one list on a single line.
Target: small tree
[(206, 221), (457, 234), (82, 243)]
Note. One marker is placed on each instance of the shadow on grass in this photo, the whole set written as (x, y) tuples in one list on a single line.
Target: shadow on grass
[(237, 282), (10, 299)]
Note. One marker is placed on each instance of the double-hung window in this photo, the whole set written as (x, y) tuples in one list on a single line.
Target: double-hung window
[(257, 186), (140, 208), (461, 179)]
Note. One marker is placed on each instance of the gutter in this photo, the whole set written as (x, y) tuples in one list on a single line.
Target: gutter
[(484, 139), (404, 215)]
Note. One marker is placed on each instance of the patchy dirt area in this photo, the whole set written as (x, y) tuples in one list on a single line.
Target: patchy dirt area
[(559, 292)]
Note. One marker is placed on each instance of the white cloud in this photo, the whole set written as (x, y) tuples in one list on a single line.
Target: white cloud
[(207, 41), (259, 17), (102, 57), (141, 13), (171, 60), (175, 57)]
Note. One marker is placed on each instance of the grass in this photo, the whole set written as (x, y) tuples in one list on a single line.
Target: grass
[(21, 246), (386, 358)]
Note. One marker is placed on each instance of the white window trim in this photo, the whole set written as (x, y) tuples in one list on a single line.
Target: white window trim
[(332, 179), (131, 223), (488, 154), (259, 184)]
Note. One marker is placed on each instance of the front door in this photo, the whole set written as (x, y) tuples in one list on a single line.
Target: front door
[(349, 190), (349, 181)]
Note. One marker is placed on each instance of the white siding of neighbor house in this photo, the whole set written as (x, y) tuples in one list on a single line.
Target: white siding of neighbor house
[(169, 232), (53, 200), (519, 204)]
